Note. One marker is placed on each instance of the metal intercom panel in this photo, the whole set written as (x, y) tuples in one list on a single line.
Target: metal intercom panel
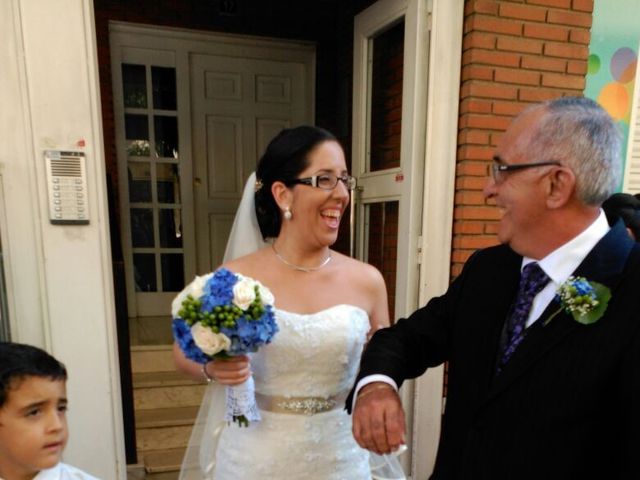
[(67, 187)]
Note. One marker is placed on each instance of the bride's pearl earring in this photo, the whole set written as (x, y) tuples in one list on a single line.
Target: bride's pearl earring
[(287, 214)]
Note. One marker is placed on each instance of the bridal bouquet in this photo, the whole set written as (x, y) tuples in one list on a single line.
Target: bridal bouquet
[(220, 315)]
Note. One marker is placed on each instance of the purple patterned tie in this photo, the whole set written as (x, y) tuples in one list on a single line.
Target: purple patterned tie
[(532, 281)]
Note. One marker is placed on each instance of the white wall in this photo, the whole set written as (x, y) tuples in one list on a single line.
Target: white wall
[(59, 277)]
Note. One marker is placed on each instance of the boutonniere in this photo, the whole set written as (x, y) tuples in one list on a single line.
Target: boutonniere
[(585, 301)]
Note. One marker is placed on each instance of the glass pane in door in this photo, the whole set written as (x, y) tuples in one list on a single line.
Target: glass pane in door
[(139, 182), (134, 86), (170, 228), (142, 228), (144, 267), (136, 130), (163, 81), (168, 182), (385, 104), (381, 234), (166, 133), (172, 272)]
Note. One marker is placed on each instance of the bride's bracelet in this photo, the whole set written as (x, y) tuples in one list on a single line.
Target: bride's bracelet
[(373, 389), (206, 375)]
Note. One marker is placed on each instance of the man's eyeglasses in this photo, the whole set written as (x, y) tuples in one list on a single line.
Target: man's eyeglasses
[(326, 181), (499, 170)]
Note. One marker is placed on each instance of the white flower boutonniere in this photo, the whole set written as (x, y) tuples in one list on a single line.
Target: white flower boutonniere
[(585, 301)]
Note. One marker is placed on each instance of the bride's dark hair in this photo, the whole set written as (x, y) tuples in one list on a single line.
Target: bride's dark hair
[(286, 156)]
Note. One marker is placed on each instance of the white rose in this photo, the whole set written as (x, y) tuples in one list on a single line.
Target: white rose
[(197, 286), (207, 341), (244, 292), (195, 289), (266, 295)]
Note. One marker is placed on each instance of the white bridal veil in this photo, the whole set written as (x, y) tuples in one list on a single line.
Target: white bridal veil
[(200, 457)]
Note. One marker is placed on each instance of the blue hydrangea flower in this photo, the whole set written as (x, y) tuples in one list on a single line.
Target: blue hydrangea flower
[(583, 287), (248, 335), (218, 290)]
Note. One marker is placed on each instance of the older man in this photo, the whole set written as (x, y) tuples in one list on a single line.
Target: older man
[(535, 391)]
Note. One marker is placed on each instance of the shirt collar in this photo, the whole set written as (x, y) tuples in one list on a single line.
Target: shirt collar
[(563, 261)]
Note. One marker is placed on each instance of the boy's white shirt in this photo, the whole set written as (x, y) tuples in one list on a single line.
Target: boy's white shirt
[(62, 471)]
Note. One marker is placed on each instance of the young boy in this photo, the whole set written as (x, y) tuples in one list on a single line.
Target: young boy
[(33, 422)]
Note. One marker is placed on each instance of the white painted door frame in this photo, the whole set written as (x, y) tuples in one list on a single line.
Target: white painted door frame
[(404, 183), (443, 99), (431, 80)]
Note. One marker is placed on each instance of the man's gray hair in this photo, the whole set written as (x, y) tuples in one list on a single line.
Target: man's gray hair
[(580, 134)]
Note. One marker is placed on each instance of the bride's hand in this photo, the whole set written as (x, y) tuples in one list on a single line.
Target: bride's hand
[(233, 371)]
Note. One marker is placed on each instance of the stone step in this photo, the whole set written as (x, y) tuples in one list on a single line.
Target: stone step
[(162, 476), (151, 358), (162, 438), (162, 379), (186, 395), (166, 417), (135, 471), (163, 461)]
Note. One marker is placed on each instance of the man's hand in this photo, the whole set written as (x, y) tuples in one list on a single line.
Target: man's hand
[(378, 418)]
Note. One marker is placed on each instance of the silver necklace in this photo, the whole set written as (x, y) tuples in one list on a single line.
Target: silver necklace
[(298, 267)]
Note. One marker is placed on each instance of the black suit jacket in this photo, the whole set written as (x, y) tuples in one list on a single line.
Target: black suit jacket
[(566, 406)]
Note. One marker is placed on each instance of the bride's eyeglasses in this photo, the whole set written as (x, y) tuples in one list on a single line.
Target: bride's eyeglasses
[(326, 181)]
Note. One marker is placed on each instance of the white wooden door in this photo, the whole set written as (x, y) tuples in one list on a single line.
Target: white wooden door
[(193, 112), (238, 106)]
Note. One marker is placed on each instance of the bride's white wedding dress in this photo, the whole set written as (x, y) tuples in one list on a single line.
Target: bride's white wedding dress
[(310, 365), (312, 361)]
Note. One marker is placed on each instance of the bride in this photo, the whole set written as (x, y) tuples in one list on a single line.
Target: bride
[(327, 305)]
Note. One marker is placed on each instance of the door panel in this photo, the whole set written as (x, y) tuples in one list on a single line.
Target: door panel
[(238, 106)]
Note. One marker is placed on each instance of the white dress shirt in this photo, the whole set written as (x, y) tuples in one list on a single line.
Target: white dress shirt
[(558, 265), (562, 262), (62, 471)]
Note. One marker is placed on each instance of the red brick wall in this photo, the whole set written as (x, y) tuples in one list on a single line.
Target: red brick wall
[(515, 52)]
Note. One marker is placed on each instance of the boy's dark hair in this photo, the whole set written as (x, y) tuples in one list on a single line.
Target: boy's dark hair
[(18, 361)]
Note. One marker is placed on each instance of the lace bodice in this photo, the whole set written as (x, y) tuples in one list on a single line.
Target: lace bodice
[(312, 355)]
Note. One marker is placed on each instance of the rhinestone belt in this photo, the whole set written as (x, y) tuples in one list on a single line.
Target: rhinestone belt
[(299, 405)]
